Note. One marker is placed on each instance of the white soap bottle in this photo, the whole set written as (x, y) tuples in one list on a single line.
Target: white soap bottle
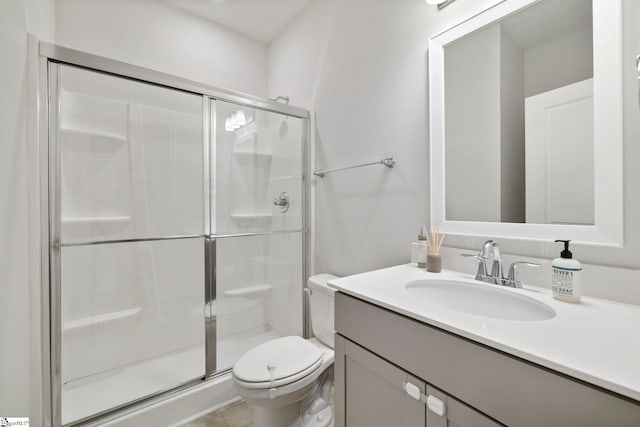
[(566, 276)]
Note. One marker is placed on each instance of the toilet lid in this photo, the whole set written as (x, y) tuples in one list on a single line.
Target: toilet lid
[(277, 359)]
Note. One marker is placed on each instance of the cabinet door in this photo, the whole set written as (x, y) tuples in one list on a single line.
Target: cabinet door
[(445, 411), (372, 392)]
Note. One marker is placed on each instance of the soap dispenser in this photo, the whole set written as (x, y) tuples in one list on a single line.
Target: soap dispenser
[(566, 276)]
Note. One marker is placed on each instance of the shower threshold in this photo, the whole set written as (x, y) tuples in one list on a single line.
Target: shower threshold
[(97, 393)]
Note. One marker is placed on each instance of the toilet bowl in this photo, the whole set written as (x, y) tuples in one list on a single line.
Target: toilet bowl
[(288, 380)]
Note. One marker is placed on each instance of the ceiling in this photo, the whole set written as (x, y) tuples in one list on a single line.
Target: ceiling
[(262, 20), (547, 21)]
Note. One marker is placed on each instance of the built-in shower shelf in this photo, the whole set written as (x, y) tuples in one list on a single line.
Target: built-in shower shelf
[(100, 224), (84, 323), (251, 220), (286, 177), (253, 157), (96, 220), (91, 141), (247, 291)]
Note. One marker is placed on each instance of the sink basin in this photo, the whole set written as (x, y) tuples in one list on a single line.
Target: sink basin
[(479, 299)]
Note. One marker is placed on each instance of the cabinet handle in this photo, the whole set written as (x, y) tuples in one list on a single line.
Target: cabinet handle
[(413, 391), (436, 406)]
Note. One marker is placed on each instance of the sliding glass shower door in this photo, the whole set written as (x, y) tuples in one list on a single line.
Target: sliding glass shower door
[(177, 235), (130, 202), (257, 206)]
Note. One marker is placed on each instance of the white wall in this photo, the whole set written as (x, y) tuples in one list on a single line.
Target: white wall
[(473, 153), (155, 35), (572, 57), (16, 19), (484, 106), (512, 176), (361, 65)]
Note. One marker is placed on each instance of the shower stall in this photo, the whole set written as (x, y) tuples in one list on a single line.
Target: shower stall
[(177, 230)]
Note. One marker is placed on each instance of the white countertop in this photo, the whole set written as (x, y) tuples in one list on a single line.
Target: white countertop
[(597, 341)]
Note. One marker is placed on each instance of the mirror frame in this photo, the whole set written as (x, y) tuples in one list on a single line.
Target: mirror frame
[(608, 133)]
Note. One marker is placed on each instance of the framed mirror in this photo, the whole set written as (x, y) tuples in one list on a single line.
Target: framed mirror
[(526, 122)]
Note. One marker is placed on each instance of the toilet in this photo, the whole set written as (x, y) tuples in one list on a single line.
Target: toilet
[(288, 380)]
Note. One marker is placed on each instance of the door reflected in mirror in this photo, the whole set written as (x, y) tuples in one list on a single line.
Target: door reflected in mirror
[(519, 118)]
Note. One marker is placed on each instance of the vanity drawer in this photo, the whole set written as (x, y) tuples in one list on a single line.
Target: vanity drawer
[(508, 389)]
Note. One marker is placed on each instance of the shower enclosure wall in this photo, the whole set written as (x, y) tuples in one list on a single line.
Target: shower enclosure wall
[(177, 230)]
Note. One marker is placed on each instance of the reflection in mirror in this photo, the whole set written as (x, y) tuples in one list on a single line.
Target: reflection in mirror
[(519, 118)]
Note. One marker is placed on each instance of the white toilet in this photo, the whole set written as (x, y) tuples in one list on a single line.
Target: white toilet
[(288, 380)]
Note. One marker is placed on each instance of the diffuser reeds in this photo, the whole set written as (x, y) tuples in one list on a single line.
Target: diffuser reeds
[(435, 240)]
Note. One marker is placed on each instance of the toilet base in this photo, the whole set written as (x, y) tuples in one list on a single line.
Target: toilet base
[(324, 418), (285, 416), (290, 416), (313, 410), (316, 409)]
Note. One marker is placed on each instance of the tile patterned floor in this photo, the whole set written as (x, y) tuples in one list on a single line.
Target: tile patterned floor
[(236, 415)]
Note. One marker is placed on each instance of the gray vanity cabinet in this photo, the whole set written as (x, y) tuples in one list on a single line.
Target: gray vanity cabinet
[(378, 352), (378, 393)]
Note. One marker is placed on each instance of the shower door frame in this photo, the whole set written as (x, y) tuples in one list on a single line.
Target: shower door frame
[(50, 58)]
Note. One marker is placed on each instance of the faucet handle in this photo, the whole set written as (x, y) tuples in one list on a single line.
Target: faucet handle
[(482, 267), (496, 269), (487, 248), (513, 279)]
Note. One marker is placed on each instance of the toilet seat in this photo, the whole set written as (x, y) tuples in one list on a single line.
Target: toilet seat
[(277, 363)]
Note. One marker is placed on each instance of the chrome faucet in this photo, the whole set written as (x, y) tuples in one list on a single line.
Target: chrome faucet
[(497, 273), (482, 257)]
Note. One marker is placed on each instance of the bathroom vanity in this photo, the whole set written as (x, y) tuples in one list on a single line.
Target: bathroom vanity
[(403, 359)]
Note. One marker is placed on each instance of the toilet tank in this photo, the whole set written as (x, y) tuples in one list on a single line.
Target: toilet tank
[(321, 302)]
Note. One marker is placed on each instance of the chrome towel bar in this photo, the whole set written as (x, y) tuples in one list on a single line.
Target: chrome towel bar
[(388, 162)]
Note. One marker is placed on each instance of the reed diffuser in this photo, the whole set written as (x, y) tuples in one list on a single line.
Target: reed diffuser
[(434, 241)]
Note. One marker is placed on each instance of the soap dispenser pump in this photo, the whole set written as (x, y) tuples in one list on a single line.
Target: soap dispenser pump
[(566, 276)]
